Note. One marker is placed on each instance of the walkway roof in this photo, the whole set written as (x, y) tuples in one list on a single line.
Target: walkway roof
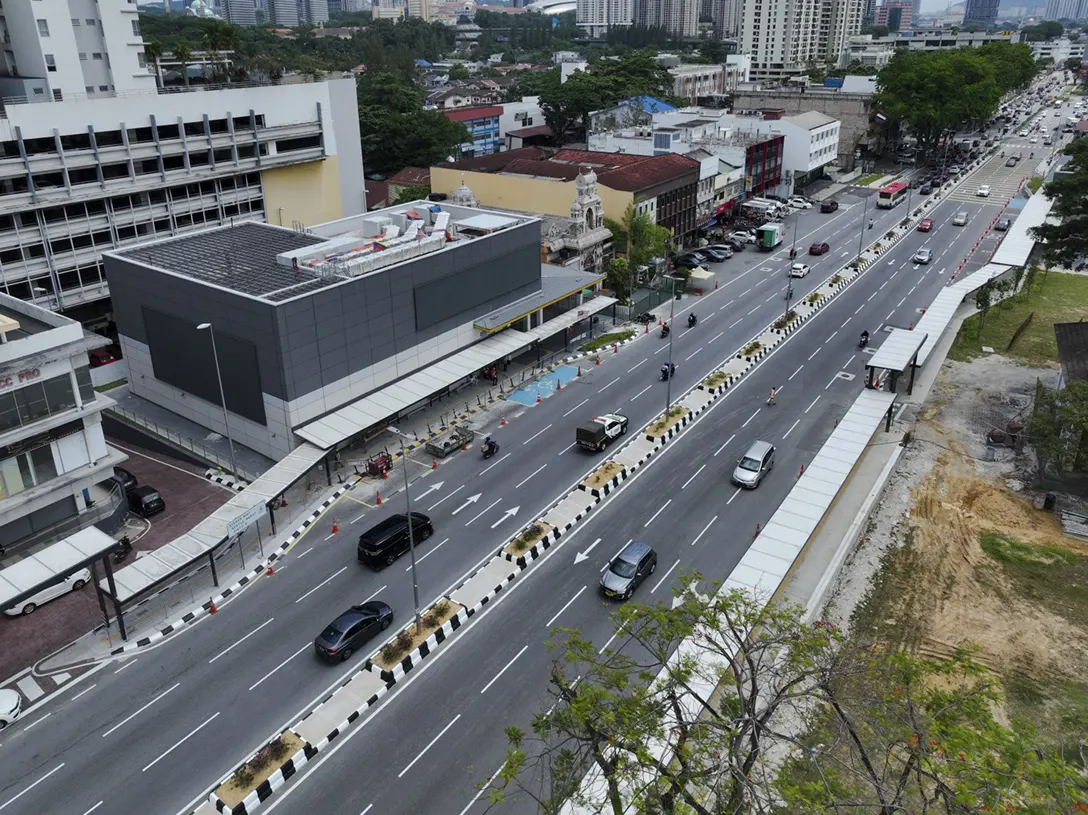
[(896, 352), (32, 574), (1015, 248), (944, 306)]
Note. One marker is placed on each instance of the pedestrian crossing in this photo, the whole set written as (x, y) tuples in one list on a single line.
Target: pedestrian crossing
[(36, 687), (1004, 183)]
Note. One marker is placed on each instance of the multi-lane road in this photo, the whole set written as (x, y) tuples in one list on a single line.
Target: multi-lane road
[(151, 733)]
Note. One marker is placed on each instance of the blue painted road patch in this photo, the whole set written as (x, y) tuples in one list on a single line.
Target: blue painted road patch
[(544, 386)]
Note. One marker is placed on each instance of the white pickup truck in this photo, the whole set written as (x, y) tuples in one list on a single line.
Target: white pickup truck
[(600, 431)]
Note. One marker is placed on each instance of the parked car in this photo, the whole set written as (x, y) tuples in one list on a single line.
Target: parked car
[(819, 249), (628, 569), (715, 255), (743, 235), (983, 191), (925, 225), (754, 465), (126, 479), (146, 501), (721, 248), (688, 262), (736, 244), (1002, 225), (73, 582), (697, 254), (959, 219), (99, 357), (799, 270), (923, 256), (384, 542), (11, 704), (829, 206), (798, 202), (353, 628)]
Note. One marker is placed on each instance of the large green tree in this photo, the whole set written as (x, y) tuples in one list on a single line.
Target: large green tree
[(396, 131), (1013, 64), (1066, 242)]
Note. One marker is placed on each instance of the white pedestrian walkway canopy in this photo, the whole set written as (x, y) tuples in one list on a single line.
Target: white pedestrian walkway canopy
[(1016, 246), (898, 353), (944, 306), (52, 564)]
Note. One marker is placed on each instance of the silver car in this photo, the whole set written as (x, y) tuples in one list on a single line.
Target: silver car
[(754, 465), (628, 569), (960, 219), (923, 256)]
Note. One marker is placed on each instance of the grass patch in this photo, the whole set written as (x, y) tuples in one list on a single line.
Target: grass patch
[(1034, 184), (606, 340), (866, 180), (662, 425), (602, 475), (110, 385), (785, 319), (530, 535), (1045, 576), (887, 612), (715, 379), (750, 349), (1056, 298)]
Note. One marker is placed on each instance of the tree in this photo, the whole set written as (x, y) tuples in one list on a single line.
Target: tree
[(1066, 243), (879, 31), (459, 73), (1013, 63), (1072, 64), (1058, 424), (406, 194), (713, 50), (984, 298), (183, 54), (638, 237), (153, 51), (619, 279)]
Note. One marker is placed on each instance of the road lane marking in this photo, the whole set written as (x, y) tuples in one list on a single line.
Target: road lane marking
[(657, 513), (357, 519), (693, 477), (429, 746), (731, 497), (790, 430), (565, 606), (92, 809), (322, 583), (506, 667), (303, 554), (890, 315), (901, 302), (263, 678), (606, 387), (731, 325), (132, 716), (37, 722), (496, 464), (85, 690), (833, 335), (565, 415), (419, 560), (726, 444), (131, 662), (491, 506), (535, 435), (814, 353), (436, 503), (705, 528), (751, 417), (611, 640), (534, 472), (10, 801), (814, 401), (859, 309), (753, 311), (637, 395), (693, 353), (716, 336), (184, 739), (636, 365), (657, 585), (799, 367), (228, 649)]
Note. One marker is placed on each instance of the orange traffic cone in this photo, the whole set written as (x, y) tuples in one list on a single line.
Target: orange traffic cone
[(598, 359), (270, 571), (385, 475), (579, 370), (503, 422), (434, 461), (538, 397), (335, 526), (379, 501), (558, 385), (211, 607), (757, 532)]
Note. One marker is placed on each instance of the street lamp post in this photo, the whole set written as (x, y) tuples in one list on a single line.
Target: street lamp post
[(222, 396), (401, 436), (672, 329), (861, 237)]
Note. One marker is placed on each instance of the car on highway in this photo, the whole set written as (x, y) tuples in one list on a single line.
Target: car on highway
[(797, 202), (146, 501), (829, 206), (601, 431), (1011, 161), (626, 571), (959, 219), (925, 225), (799, 270), (923, 256), (11, 704), (819, 249), (983, 191), (754, 465), (1002, 225), (926, 190), (743, 235), (1023, 134), (352, 629), (73, 582), (387, 540)]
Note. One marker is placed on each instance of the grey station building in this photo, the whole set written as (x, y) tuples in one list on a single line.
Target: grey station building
[(327, 334)]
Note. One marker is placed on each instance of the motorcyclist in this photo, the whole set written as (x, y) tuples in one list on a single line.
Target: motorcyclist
[(864, 338), (667, 370), (489, 445), (1031, 155), (692, 319), (665, 329), (870, 223)]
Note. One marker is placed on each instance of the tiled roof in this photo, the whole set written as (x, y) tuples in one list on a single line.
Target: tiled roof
[(653, 170), (544, 169), (496, 162), (595, 159), (377, 194), (411, 177), (468, 114)]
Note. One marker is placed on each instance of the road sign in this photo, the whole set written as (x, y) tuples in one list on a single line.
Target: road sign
[(237, 526)]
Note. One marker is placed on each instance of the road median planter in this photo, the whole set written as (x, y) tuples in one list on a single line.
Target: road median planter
[(532, 542), (261, 775), (411, 645), (665, 427), (714, 381), (604, 479)]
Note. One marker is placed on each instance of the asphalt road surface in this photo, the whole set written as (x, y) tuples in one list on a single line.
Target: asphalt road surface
[(166, 724)]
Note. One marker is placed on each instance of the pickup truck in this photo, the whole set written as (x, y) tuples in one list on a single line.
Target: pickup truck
[(601, 430)]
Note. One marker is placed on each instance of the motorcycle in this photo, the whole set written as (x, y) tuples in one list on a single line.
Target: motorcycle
[(123, 549), (664, 331), (692, 320), (863, 341), (645, 318), (489, 449), (667, 372)]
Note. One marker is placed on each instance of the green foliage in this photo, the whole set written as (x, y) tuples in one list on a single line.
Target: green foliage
[(406, 194), (638, 238), (1058, 424), (1066, 243), (459, 73), (1013, 64), (619, 279), (1046, 30), (984, 298)]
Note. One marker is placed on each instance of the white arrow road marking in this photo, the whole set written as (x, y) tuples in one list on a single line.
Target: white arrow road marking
[(510, 513), (472, 499), (437, 485), (583, 556)]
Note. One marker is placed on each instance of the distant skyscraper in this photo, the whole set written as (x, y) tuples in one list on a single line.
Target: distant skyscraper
[(238, 12), (895, 16), (676, 16), (981, 11), (314, 12), (1066, 10), (783, 37), (420, 9), (600, 15)]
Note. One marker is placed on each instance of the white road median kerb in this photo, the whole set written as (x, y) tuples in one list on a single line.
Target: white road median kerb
[(225, 479)]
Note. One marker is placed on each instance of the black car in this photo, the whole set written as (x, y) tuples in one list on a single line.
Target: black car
[(829, 206), (1010, 161), (916, 183), (715, 255), (688, 262), (146, 501), (627, 570), (1003, 225), (926, 190), (383, 543), (126, 479), (352, 629), (735, 244)]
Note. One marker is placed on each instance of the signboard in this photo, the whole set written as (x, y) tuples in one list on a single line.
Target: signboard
[(20, 377), (237, 526)]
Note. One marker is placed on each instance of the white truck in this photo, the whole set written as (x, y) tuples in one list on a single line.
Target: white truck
[(601, 431)]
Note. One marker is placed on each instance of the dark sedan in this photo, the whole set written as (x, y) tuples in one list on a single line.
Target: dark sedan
[(1003, 225), (819, 249), (829, 206), (352, 629), (715, 255)]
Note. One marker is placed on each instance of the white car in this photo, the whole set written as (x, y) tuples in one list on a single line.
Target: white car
[(1034, 140), (800, 203), (73, 582), (983, 191), (799, 270), (1023, 134), (11, 704), (743, 235)]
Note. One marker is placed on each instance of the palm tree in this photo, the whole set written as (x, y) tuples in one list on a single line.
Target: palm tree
[(183, 54), (153, 50)]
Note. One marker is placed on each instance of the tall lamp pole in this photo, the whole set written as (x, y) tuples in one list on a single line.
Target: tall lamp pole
[(222, 396), (861, 237), (672, 315), (401, 436)]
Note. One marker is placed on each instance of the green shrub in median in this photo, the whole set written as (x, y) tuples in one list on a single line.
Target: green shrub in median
[(606, 340)]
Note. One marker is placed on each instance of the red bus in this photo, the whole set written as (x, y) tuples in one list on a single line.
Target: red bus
[(892, 194)]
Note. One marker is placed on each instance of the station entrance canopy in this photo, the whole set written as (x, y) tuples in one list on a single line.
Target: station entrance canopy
[(897, 354)]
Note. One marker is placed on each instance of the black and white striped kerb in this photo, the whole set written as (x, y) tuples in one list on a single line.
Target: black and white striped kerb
[(268, 787), (606, 487), (225, 480)]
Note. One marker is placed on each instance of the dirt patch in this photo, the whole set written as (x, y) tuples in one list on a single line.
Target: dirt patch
[(530, 535), (251, 776), (602, 475), (408, 639), (662, 425)]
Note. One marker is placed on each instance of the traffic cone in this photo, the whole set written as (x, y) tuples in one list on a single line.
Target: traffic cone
[(211, 607), (503, 422), (335, 526), (757, 532), (579, 370), (598, 359), (385, 475), (558, 386), (802, 471), (615, 349), (538, 397), (270, 571), (911, 328), (434, 461), (715, 285), (283, 502), (647, 327), (378, 502)]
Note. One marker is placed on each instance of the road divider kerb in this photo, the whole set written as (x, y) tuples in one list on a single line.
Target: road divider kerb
[(225, 479)]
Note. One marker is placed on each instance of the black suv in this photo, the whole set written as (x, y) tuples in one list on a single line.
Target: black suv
[(380, 545), (145, 501), (829, 206)]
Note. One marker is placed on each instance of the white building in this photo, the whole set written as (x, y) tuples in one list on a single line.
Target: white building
[(877, 52), (783, 37), (68, 50), (693, 81), (1066, 10), (81, 177), (519, 115), (569, 69), (708, 176), (738, 70), (680, 17), (597, 16), (52, 451), (1058, 50)]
